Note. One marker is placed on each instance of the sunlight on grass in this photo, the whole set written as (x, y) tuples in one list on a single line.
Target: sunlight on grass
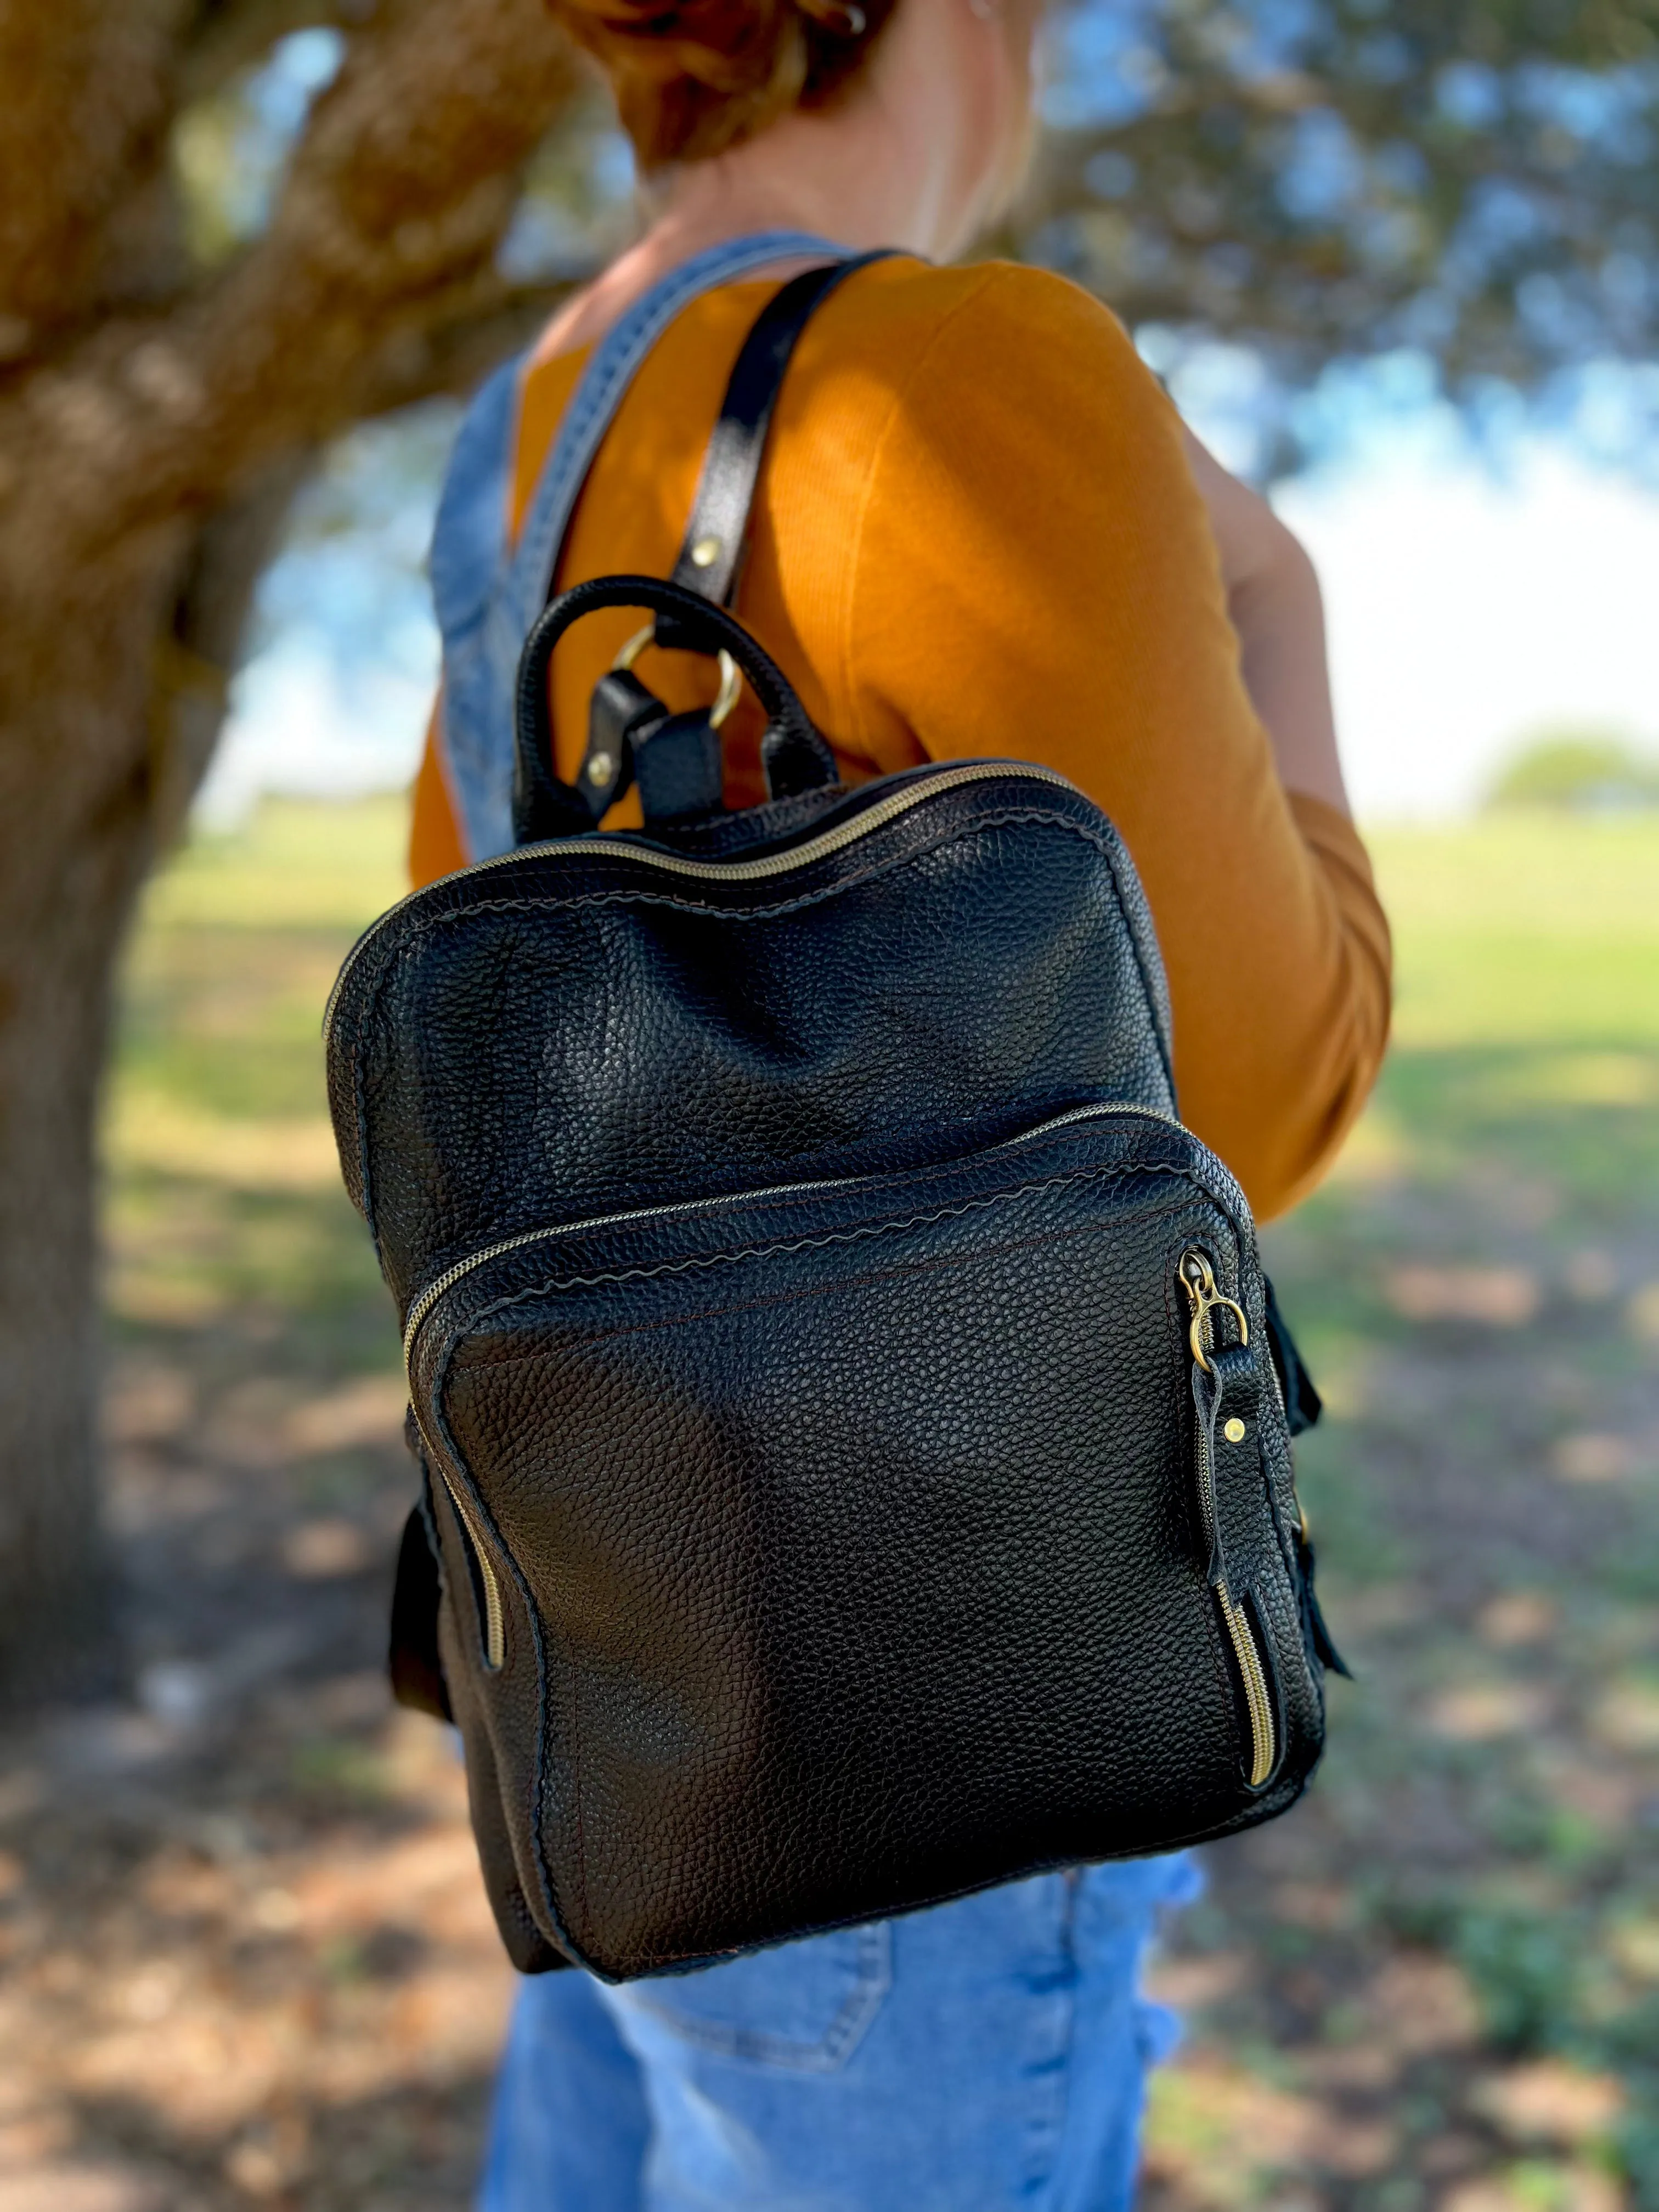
[(225, 1191), (148, 1130), (297, 864), (1516, 930)]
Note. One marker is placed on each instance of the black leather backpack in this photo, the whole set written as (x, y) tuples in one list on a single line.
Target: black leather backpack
[(855, 1428)]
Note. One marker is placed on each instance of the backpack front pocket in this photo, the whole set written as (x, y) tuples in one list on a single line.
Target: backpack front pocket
[(846, 1540)]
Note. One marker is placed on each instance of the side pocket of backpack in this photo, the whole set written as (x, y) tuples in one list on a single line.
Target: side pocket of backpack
[(521, 1932)]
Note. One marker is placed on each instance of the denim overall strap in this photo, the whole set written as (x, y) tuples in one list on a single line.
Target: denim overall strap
[(487, 596)]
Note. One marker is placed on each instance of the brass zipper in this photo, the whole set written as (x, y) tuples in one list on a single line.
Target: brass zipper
[(759, 870), (462, 1269), (1257, 1697), (1198, 1280), (494, 1618)]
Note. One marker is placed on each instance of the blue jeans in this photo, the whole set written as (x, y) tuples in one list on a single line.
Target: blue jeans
[(986, 2055)]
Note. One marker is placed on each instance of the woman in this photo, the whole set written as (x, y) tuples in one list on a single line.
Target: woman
[(980, 520)]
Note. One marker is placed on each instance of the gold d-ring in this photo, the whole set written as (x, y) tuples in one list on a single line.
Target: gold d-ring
[(731, 689), (1198, 1279), (1195, 1335), (636, 646)]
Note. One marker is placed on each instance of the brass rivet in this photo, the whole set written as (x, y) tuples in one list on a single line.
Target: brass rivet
[(599, 768), (1234, 1430), (705, 552)]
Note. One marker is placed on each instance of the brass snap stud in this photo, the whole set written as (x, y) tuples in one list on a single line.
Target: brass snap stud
[(599, 768), (705, 552), (1234, 1430)]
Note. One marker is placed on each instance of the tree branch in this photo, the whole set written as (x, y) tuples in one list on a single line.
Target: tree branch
[(396, 198), (86, 88)]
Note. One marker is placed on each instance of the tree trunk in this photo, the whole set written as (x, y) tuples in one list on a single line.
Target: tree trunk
[(74, 840), (154, 420), (111, 713)]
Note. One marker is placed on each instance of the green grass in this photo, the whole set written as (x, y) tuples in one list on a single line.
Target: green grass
[(1526, 930), (1526, 1048), (226, 1205), (1527, 1012)]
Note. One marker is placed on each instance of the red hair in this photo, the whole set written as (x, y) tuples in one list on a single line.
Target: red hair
[(692, 77)]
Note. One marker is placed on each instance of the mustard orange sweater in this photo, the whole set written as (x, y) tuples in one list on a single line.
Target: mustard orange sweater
[(977, 534)]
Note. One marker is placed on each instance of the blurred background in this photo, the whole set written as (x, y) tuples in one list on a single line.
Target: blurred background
[(1398, 263)]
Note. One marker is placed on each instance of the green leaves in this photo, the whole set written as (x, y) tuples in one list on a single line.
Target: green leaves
[(1475, 182)]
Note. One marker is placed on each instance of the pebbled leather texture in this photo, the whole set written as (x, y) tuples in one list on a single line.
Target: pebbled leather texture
[(569, 1030), (849, 1541)]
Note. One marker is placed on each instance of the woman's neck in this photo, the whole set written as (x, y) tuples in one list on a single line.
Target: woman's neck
[(855, 175)]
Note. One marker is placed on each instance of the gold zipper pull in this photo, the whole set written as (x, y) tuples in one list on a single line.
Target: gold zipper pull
[(1198, 1280)]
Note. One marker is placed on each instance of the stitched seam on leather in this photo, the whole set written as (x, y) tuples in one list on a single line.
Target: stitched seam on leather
[(576, 1785), (1286, 1608), (398, 954), (937, 1172), (532, 1614), (1110, 850), (860, 1234), (1272, 1483), (906, 1271), (1157, 1002), (618, 1332), (361, 1104), (1128, 1163), (996, 819), (1269, 1477), (1207, 1173)]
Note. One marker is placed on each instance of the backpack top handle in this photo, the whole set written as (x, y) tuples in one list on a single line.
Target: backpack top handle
[(795, 757), (705, 580)]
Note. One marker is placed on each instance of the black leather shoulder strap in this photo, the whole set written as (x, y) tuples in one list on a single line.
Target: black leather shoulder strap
[(709, 570), (711, 557)]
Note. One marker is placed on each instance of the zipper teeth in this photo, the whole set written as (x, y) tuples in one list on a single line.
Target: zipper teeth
[(494, 1620), (462, 1269), (725, 871), (1258, 1698), (1256, 1695)]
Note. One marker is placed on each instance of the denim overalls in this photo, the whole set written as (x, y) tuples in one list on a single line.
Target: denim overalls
[(987, 2055)]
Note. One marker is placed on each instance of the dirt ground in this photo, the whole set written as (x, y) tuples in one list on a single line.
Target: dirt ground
[(244, 1956)]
